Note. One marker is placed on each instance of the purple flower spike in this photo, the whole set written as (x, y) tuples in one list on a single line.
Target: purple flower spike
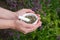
[(34, 9), (5, 31), (18, 36), (47, 2), (58, 37), (36, 4), (12, 4), (44, 14), (11, 33)]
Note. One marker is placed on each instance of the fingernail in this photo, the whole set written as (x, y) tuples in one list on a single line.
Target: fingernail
[(38, 14)]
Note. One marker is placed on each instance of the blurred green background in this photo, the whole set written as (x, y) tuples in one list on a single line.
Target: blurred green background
[(50, 17)]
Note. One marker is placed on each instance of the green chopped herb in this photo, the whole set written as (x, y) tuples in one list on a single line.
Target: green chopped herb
[(32, 19)]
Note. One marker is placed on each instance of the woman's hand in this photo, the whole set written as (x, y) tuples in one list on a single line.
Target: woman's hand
[(18, 24), (24, 27), (23, 11), (6, 14)]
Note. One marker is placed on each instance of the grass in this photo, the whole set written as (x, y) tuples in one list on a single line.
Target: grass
[(49, 11)]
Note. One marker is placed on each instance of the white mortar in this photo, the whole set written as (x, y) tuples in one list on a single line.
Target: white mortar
[(28, 14)]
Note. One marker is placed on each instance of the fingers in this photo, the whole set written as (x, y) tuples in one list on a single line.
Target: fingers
[(27, 28), (24, 11), (23, 24), (38, 15), (33, 28), (28, 10), (24, 30), (39, 23)]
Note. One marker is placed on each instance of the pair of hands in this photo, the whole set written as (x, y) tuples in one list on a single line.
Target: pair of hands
[(20, 25)]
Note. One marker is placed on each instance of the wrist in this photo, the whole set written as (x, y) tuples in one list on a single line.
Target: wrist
[(15, 15), (13, 24)]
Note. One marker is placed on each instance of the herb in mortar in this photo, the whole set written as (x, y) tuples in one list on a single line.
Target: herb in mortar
[(32, 19)]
